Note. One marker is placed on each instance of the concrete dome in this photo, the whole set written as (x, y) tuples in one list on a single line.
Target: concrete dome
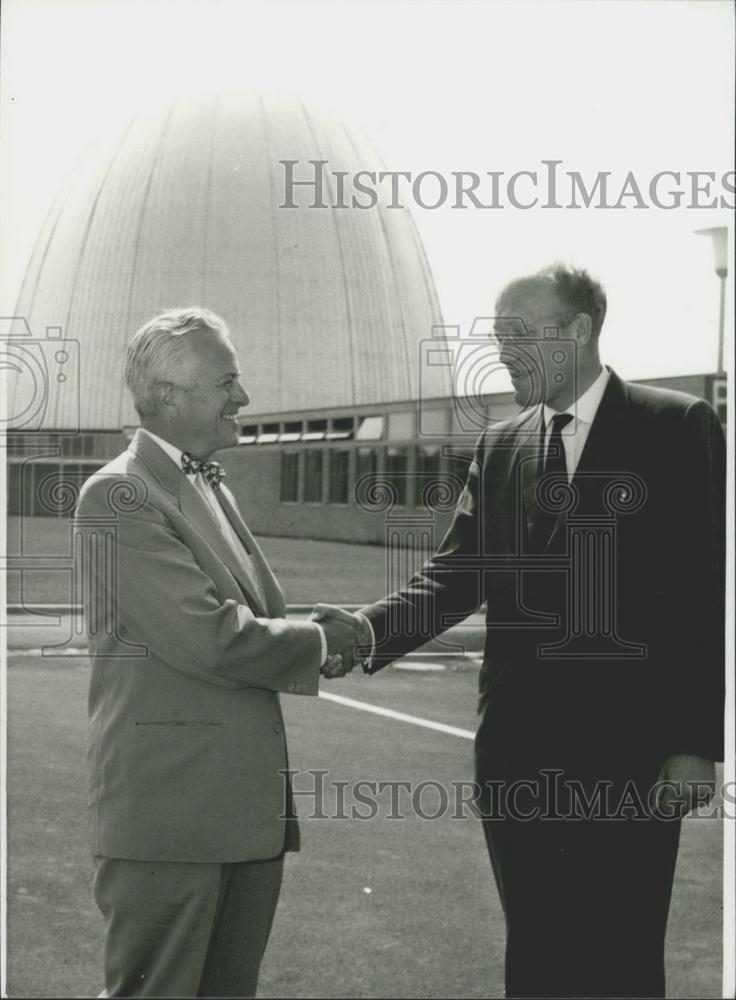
[(327, 307)]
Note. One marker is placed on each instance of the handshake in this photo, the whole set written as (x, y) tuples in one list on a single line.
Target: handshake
[(349, 639)]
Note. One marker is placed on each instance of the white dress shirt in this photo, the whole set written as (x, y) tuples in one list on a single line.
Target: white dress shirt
[(583, 412), (208, 495)]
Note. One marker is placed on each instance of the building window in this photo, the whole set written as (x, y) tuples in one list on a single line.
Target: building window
[(313, 477), (458, 463), (269, 434), (292, 431), (289, 477), (369, 429), (316, 430), (248, 434), (101, 445), (56, 487), (366, 462), (15, 488), (77, 445), (396, 473), (341, 429), (49, 492), (339, 475), (28, 489), (427, 473)]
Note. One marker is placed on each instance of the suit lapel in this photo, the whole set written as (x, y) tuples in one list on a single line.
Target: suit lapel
[(194, 508), (272, 590), (526, 464), (227, 502)]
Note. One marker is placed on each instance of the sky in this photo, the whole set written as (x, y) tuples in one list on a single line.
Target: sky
[(484, 86)]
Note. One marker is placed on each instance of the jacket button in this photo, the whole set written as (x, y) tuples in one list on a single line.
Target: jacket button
[(277, 728)]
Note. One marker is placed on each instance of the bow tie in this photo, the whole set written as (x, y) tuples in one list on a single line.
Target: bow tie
[(213, 472)]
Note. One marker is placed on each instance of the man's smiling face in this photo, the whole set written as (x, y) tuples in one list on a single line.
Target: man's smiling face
[(206, 401)]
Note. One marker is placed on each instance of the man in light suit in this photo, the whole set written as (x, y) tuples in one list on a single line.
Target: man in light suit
[(592, 525), (190, 649)]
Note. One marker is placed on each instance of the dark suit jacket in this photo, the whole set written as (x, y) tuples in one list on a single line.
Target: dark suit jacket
[(651, 678)]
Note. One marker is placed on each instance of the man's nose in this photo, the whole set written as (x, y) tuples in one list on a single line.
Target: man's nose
[(240, 395)]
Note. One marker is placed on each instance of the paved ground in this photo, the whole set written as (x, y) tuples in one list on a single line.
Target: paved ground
[(369, 908)]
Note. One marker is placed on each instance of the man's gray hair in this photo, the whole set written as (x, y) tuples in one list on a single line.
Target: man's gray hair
[(577, 292), (159, 353)]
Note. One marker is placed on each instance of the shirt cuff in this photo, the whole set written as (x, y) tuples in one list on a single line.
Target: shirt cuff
[(323, 640), (370, 637)]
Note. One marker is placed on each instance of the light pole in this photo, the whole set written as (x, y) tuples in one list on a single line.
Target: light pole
[(719, 237)]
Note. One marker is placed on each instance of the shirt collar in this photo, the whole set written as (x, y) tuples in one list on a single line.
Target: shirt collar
[(171, 450), (585, 408)]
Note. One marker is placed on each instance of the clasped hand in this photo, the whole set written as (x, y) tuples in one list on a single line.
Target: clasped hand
[(345, 633)]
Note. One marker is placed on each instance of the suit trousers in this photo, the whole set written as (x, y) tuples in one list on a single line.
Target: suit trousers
[(567, 768), (177, 929), (585, 902)]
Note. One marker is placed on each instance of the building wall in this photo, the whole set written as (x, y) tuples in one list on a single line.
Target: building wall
[(414, 448), (254, 475)]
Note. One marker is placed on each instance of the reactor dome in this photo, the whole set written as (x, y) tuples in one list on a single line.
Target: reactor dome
[(327, 307)]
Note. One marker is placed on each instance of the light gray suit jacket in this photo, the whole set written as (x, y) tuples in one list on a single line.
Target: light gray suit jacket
[(186, 736)]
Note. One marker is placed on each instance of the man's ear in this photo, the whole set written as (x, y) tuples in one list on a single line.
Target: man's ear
[(583, 327), (166, 396)]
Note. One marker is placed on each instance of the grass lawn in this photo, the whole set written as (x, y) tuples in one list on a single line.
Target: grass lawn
[(308, 571), (431, 925)]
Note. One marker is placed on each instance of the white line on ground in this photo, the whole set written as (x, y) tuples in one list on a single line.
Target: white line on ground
[(389, 713), (49, 652)]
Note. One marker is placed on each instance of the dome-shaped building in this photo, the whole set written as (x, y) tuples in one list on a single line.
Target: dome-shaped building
[(328, 307)]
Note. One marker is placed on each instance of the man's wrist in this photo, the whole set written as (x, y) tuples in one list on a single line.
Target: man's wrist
[(367, 641)]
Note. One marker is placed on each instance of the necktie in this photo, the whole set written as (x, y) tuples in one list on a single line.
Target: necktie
[(555, 463), (213, 472)]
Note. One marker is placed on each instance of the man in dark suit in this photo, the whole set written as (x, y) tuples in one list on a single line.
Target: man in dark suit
[(592, 525), (190, 649)]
